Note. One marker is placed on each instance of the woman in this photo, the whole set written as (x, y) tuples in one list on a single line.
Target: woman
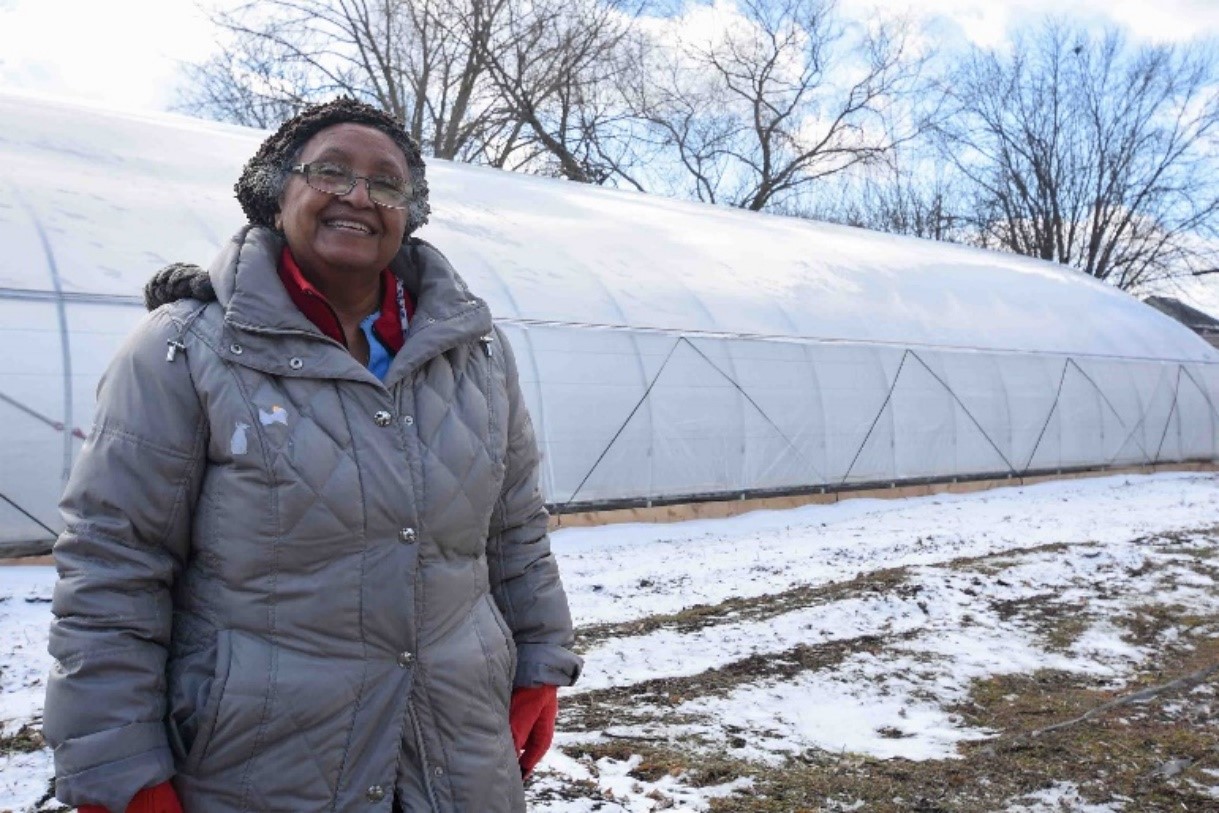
[(305, 565)]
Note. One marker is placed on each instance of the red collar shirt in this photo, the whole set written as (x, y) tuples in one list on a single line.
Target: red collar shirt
[(384, 328)]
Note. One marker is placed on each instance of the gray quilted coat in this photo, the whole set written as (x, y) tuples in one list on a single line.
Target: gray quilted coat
[(293, 587)]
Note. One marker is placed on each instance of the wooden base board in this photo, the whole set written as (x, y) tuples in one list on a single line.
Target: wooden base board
[(29, 560)]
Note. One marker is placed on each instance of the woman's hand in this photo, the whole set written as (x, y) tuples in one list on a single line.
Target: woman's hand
[(532, 715), (158, 799)]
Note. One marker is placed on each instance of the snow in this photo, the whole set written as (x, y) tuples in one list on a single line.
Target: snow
[(842, 712), (1065, 545), (769, 551), (25, 602), (24, 779), (1061, 797), (25, 594), (612, 777)]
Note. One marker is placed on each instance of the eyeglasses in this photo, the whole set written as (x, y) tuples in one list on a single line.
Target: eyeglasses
[(336, 179)]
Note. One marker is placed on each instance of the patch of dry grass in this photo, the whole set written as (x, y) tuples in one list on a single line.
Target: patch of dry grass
[(753, 608), (1150, 756), (26, 740)]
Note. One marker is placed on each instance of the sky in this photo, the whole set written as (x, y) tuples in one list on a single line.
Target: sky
[(128, 53), (120, 53), (986, 22)]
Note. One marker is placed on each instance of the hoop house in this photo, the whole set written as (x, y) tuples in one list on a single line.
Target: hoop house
[(669, 351)]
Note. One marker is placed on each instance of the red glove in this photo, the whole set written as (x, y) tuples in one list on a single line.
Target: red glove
[(158, 799), (531, 715)]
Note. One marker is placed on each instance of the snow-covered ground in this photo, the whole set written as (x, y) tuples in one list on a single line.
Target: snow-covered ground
[(863, 624)]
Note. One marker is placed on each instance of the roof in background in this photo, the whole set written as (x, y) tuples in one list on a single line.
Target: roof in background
[(1186, 315), (1205, 325)]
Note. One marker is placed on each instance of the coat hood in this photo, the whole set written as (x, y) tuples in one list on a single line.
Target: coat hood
[(259, 314)]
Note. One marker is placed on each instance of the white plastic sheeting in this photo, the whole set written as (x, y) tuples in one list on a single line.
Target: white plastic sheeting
[(715, 415), (667, 349)]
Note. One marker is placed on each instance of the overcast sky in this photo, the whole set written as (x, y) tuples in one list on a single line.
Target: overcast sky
[(127, 53)]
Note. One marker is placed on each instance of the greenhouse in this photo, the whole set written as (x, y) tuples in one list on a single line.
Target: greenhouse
[(669, 351)]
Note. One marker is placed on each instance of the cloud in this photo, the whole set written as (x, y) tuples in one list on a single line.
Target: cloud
[(121, 52), (987, 22), (127, 53)]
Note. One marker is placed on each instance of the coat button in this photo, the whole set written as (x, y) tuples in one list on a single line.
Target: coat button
[(375, 793), (295, 363), (404, 659), (408, 420), (382, 418), (235, 349), (406, 535), (438, 771)]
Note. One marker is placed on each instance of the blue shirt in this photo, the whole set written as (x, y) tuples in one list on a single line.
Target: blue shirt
[(379, 356)]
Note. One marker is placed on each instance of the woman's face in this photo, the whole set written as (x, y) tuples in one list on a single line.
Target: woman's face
[(344, 233)]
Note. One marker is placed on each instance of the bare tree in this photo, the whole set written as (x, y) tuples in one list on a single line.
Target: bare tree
[(780, 97), (245, 84), (922, 201), (411, 58), (524, 84), (1092, 153), (323, 47), (454, 105), (554, 64)]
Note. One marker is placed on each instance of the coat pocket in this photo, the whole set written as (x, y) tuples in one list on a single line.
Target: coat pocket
[(277, 729), (502, 672), (204, 720)]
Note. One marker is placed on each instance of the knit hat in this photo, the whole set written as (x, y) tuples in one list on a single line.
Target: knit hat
[(262, 180)]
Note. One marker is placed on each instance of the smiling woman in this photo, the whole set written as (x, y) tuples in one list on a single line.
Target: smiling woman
[(306, 564)]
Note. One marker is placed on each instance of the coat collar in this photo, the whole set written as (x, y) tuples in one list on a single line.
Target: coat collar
[(271, 334), (313, 303)]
